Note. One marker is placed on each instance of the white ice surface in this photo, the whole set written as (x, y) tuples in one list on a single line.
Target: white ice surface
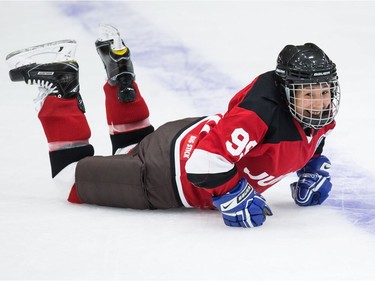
[(190, 58)]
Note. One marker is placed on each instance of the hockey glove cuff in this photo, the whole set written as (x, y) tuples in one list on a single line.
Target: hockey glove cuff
[(242, 206), (314, 183)]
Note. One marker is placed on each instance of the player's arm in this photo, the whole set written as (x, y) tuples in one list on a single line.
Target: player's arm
[(212, 166)]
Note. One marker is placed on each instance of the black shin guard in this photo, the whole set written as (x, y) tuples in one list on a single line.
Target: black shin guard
[(128, 138), (61, 158)]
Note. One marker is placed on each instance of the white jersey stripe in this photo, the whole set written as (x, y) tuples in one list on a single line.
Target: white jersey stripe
[(204, 162), (177, 162)]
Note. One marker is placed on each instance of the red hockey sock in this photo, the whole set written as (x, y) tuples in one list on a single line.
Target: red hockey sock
[(73, 196), (118, 113), (62, 120)]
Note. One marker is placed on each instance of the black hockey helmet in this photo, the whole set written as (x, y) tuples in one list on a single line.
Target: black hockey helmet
[(303, 66)]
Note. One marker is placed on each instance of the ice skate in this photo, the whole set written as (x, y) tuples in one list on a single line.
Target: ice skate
[(51, 66), (59, 79), (116, 59)]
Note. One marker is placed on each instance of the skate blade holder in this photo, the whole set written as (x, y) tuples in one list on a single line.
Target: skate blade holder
[(108, 32), (57, 51)]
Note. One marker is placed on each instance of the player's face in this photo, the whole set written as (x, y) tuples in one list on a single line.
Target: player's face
[(312, 101)]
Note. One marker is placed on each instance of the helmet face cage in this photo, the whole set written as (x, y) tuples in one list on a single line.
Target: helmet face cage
[(314, 105)]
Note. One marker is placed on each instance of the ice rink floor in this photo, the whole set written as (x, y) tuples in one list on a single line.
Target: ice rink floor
[(190, 59)]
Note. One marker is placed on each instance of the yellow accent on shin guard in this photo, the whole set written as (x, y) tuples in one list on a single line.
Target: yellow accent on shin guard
[(120, 52)]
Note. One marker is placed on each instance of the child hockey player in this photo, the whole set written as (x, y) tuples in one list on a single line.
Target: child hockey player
[(274, 126)]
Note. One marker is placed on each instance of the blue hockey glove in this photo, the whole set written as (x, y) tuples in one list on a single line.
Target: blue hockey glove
[(314, 182), (242, 206)]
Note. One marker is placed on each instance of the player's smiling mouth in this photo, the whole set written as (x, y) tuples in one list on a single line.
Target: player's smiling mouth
[(315, 113)]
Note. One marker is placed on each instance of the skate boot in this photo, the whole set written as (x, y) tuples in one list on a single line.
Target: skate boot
[(117, 63), (58, 79)]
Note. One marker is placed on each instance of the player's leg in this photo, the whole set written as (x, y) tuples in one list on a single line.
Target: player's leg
[(127, 112), (61, 113), (141, 179)]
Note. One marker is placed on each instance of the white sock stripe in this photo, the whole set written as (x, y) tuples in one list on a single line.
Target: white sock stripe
[(59, 145), (122, 128)]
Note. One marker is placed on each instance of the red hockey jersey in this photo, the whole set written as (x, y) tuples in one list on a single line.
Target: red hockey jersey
[(257, 138)]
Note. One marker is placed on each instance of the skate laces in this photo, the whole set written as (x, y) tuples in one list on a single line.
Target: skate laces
[(45, 88)]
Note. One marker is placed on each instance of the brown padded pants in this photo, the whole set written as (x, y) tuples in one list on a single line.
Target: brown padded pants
[(142, 179)]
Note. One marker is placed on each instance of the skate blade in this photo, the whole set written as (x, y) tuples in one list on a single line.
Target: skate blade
[(57, 51), (109, 32)]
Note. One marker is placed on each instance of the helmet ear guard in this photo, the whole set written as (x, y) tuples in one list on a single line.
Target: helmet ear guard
[(305, 67)]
